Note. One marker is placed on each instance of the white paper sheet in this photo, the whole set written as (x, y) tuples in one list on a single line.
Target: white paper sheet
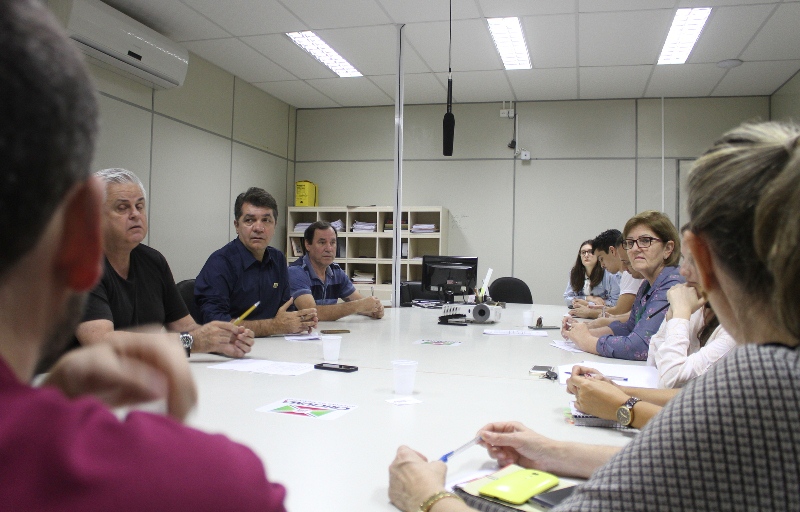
[(637, 375), (515, 332), (264, 366)]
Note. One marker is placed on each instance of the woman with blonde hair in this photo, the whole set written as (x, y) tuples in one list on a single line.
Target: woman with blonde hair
[(729, 440)]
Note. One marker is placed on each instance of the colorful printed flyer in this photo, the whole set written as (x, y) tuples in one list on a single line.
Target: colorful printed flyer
[(307, 408)]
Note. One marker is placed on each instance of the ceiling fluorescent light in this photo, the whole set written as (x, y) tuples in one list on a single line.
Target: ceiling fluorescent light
[(319, 49), (510, 42), (685, 30)]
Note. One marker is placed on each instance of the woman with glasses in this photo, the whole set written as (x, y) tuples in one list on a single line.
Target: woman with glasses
[(729, 440), (653, 246), (589, 282)]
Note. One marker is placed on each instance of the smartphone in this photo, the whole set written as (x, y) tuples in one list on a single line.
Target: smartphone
[(334, 367), (553, 498), (519, 486), (335, 331), (540, 370)]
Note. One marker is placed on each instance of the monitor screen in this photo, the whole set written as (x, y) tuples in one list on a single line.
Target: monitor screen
[(449, 275)]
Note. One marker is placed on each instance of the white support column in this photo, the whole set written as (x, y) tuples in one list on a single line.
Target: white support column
[(398, 169)]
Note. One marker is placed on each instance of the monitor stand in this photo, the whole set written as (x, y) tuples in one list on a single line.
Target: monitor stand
[(449, 297)]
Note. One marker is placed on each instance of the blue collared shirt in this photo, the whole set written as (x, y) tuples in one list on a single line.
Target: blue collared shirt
[(304, 281), (607, 289), (631, 340), (232, 280)]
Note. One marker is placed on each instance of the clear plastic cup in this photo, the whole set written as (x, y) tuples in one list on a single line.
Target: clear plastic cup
[(404, 372), (330, 348)]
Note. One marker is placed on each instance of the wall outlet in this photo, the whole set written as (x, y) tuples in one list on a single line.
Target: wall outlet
[(507, 113), (525, 155)]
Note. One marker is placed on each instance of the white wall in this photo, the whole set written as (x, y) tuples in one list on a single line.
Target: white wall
[(196, 148), (595, 164)]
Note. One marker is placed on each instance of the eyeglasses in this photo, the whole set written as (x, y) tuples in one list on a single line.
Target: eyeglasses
[(586, 253), (643, 242)]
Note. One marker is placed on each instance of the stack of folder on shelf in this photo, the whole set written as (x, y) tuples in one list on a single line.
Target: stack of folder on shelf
[(301, 226), (424, 228), (365, 227), (359, 276), (389, 226), (338, 225)]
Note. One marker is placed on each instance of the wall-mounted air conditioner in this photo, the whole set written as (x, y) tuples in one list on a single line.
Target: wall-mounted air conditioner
[(121, 44)]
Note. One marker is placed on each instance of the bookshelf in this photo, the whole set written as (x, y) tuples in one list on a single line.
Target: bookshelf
[(371, 252)]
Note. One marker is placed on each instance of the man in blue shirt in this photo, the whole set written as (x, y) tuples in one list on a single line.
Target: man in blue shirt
[(247, 271), (308, 289)]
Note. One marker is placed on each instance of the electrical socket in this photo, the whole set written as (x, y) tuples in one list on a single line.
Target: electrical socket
[(507, 113)]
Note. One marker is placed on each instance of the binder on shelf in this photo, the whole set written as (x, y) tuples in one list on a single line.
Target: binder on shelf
[(305, 193), (296, 251)]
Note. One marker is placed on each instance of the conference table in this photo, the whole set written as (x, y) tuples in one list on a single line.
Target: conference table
[(342, 464)]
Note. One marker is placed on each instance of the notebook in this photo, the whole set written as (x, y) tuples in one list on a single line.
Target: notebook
[(582, 419)]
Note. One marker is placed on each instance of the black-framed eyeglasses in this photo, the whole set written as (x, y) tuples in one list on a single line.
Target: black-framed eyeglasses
[(643, 242), (586, 252)]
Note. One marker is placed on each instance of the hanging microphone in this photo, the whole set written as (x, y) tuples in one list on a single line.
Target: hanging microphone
[(449, 121)]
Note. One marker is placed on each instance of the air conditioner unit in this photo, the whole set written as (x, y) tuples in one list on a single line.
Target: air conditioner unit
[(121, 44)]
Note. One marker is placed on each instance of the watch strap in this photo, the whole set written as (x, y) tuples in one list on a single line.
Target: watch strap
[(187, 341)]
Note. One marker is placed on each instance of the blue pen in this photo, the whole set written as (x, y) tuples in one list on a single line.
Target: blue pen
[(446, 456)]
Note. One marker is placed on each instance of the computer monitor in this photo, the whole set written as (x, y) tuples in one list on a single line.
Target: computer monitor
[(449, 275)]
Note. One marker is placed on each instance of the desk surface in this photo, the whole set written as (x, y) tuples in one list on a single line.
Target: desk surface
[(343, 462)]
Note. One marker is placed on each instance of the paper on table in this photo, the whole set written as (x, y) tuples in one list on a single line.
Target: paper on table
[(566, 345), (443, 343), (638, 376), (314, 336), (265, 366), (514, 332), (405, 400)]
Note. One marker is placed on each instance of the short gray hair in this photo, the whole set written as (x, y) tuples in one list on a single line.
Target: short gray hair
[(119, 175)]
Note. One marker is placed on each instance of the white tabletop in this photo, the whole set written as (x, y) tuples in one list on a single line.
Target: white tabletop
[(342, 463)]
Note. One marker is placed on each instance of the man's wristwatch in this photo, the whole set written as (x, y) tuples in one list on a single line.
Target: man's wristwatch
[(625, 411), (187, 341)]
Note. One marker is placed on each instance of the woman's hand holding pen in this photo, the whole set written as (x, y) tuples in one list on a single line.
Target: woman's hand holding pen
[(597, 397), (683, 301)]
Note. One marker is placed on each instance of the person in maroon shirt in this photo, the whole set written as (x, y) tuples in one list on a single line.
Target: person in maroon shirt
[(61, 447)]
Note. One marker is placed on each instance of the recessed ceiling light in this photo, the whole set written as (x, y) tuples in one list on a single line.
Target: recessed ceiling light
[(510, 42), (729, 63), (685, 30), (319, 49)]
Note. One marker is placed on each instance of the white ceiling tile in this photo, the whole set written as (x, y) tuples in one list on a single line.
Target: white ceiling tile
[(239, 59), (171, 18), (473, 48), (371, 50), (338, 14), (544, 84), (623, 5), (756, 78), (351, 92), (249, 17), (415, 11), (418, 89), (727, 32), (717, 3), (682, 80), (478, 86), (507, 8), (622, 39), (280, 49), (780, 36), (613, 82), (297, 93), (551, 40)]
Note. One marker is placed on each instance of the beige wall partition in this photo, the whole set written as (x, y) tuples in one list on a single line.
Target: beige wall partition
[(594, 164), (785, 103), (196, 148)]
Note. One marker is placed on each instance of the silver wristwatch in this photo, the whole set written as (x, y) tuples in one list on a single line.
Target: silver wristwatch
[(625, 411), (187, 341)]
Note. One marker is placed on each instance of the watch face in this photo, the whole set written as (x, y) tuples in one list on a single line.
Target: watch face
[(624, 415)]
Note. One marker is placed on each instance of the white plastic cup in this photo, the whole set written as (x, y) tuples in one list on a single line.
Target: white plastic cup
[(330, 348), (527, 318), (404, 372)]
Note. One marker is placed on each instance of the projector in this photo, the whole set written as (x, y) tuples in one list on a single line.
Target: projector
[(477, 313)]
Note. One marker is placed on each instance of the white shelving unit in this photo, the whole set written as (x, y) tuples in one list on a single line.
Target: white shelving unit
[(372, 252)]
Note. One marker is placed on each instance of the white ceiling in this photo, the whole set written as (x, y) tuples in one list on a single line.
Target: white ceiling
[(580, 49)]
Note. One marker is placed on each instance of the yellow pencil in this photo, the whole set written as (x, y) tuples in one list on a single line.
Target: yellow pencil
[(246, 313)]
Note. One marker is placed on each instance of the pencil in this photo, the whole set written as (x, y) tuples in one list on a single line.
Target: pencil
[(246, 313), (662, 308)]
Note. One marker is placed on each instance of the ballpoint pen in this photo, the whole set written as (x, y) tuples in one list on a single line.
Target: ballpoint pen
[(246, 313), (446, 456), (611, 377)]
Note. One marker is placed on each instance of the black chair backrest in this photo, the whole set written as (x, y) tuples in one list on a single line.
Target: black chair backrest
[(510, 289), (186, 289)]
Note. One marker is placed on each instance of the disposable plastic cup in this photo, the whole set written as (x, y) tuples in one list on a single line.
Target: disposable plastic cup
[(404, 372), (330, 348), (527, 318)]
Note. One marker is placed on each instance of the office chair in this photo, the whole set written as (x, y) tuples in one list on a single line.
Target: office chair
[(510, 289), (186, 289)]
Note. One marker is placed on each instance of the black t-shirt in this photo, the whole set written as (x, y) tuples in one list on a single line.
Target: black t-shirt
[(148, 296)]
